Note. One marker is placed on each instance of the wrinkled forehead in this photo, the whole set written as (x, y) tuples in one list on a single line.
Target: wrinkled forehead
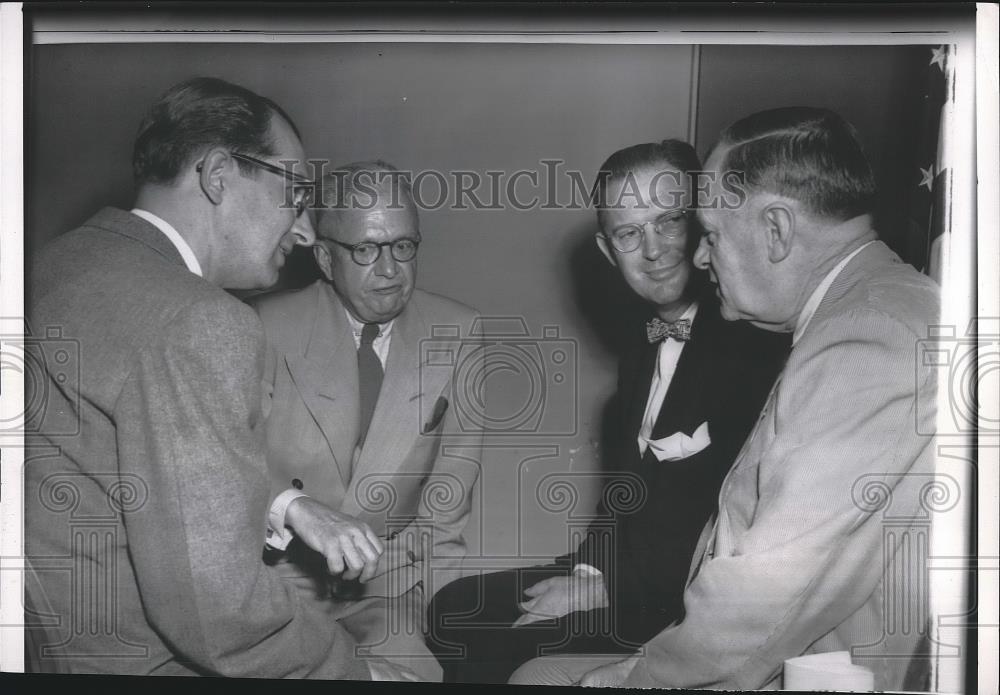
[(380, 222)]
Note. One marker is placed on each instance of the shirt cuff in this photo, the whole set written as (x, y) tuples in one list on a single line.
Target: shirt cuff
[(587, 569), (279, 535)]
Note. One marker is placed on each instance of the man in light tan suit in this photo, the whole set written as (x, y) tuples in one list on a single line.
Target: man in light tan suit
[(805, 553), (364, 430)]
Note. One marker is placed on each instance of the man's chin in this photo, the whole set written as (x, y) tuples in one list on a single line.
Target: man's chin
[(271, 277), (728, 313), (664, 294), (382, 314), (257, 283)]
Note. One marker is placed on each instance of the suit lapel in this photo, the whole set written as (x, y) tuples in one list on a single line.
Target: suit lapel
[(396, 420), (326, 376), (637, 385)]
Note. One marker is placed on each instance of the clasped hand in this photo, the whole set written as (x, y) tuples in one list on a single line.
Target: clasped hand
[(559, 596), (350, 547)]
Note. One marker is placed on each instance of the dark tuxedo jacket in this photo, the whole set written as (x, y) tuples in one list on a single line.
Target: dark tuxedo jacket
[(722, 378)]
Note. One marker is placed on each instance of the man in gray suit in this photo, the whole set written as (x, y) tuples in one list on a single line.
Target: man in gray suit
[(146, 498), (808, 551), (364, 430)]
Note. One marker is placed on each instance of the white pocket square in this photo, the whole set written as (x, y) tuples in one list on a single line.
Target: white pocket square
[(679, 446)]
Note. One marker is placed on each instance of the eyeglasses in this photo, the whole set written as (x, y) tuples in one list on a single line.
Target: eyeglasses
[(303, 190), (367, 252), (670, 225)]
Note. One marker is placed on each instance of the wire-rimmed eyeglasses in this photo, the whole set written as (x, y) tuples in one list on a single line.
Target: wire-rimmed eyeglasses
[(303, 189), (403, 249), (670, 225)]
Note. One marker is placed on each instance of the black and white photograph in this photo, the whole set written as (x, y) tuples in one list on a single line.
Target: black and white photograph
[(603, 345)]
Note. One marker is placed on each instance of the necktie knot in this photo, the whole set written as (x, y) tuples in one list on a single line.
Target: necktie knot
[(657, 330), (369, 333)]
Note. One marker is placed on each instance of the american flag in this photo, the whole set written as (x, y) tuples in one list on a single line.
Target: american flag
[(930, 204)]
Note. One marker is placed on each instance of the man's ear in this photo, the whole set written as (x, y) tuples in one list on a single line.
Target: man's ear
[(779, 226), (602, 244), (213, 170), (322, 255)]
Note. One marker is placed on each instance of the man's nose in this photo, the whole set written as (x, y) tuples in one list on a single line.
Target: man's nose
[(385, 264), (652, 243), (702, 255), (303, 230)]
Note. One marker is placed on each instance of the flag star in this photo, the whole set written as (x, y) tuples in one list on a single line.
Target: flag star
[(938, 56), (928, 177)]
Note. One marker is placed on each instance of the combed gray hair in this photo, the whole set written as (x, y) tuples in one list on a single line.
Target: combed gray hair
[(809, 154), (364, 185)]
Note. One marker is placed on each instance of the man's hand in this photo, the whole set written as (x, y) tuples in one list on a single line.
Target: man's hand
[(383, 670), (609, 675), (350, 547), (559, 596)]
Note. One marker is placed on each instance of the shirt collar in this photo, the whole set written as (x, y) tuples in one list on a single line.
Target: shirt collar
[(356, 326), (812, 304), (690, 312), (190, 260)]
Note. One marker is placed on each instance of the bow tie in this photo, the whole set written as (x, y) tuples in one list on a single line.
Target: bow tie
[(657, 330)]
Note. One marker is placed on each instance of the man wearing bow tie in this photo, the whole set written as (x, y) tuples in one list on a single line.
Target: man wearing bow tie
[(799, 561), (368, 460), (690, 388)]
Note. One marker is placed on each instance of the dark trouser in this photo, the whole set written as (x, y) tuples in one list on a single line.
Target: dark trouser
[(472, 638)]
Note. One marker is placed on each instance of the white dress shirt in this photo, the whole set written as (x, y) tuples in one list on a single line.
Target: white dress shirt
[(190, 260), (667, 356), (381, 342)]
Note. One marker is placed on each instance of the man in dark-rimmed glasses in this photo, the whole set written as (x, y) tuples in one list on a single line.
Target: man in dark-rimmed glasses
[(359, 436)]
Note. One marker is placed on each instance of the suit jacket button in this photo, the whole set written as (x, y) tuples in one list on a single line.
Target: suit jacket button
[(296, 483), (392, 535), (411, 555)]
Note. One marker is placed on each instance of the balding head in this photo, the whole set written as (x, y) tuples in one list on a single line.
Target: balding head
[(368, 233), (359, 187)]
